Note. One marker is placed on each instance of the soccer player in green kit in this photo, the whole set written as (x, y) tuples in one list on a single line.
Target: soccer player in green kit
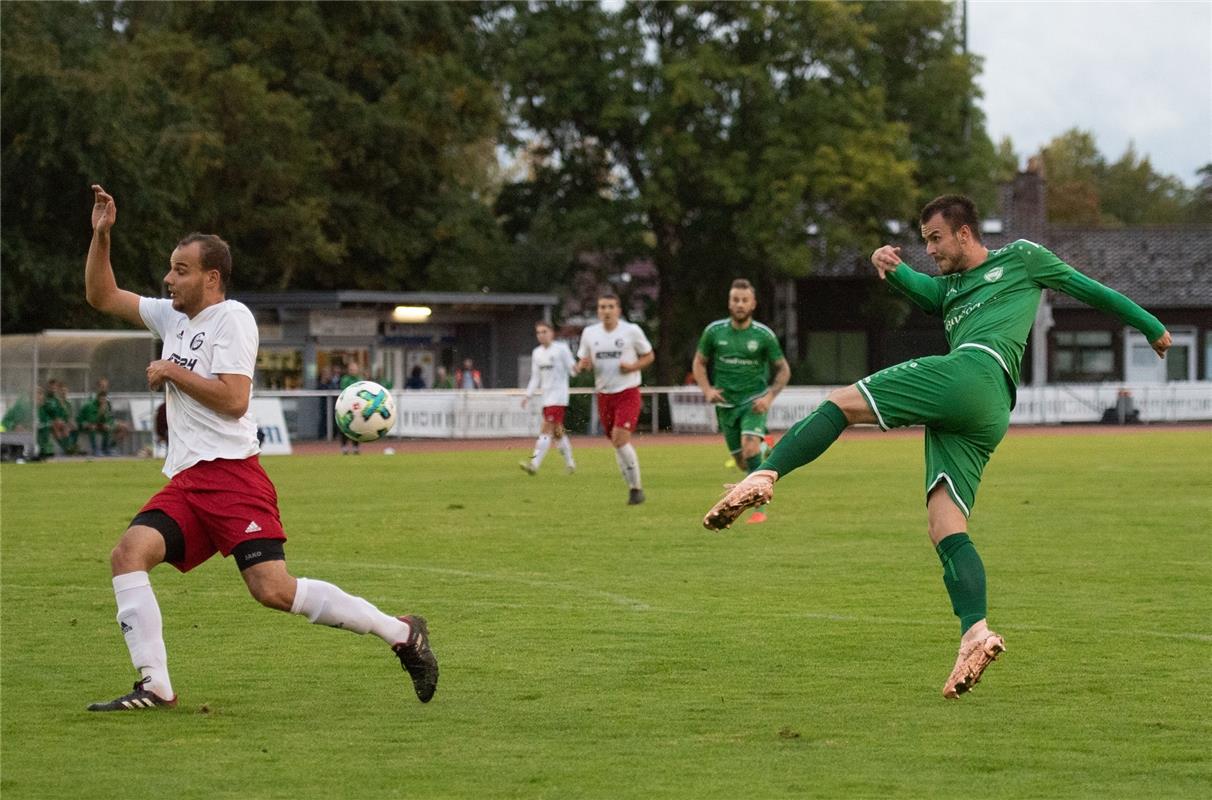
[(988, 300), (741, 352)]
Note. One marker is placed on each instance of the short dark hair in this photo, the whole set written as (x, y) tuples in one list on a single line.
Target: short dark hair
[(544, 324), (957, 209), (609, 296), (741, 283), (215, 254)]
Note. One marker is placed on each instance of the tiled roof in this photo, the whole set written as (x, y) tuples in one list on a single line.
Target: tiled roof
[(1158, 267)]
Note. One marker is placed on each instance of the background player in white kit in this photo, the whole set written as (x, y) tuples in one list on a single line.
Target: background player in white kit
[(617, 350), (551, 364), (218, 498)]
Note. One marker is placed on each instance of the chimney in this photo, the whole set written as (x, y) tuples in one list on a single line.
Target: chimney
[(1024, 204)]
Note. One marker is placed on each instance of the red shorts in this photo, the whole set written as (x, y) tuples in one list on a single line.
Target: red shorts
[(219, 504), (620, 410), (554, 414)]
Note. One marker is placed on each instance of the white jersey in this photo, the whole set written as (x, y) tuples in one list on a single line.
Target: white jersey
[(625, 344), (550, 368), (221, 339)]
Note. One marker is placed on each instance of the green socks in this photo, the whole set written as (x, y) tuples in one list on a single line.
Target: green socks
[(964, 577), (807, 439)]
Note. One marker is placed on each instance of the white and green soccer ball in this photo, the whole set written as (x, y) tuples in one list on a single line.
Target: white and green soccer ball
[(365, 411)]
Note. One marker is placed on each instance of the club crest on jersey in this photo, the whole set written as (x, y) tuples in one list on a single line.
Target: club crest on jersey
[(618, 343), (993, 274), (196, 342), (753, 346)]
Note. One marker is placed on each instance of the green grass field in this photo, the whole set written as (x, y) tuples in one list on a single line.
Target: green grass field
[(589, 649)]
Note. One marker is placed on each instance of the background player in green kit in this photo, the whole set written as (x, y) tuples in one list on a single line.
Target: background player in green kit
[(741, 352), (987, 299)]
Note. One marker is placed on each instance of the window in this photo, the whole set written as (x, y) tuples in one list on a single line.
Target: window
[(1082, 356)]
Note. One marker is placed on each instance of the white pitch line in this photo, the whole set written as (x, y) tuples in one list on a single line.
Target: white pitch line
[(640, 605), (617, 599)]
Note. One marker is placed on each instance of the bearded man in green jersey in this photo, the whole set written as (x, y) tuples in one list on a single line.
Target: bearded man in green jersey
[(988, 300), (741, 351)]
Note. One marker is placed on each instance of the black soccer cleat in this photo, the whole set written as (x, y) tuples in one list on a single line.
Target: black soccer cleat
[(635, 497), (417, 659), (137, 700)]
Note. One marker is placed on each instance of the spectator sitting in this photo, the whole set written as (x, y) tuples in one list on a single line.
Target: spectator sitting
[(442, 379), (415, 381), (56, 413), (96, 418)]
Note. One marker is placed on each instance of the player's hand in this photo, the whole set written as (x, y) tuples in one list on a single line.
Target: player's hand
[(713, 395), (1162, 344), (763, 403), (525, 400), (626, 366), (584, 363), (158, 374), (886, 259), (105, 212)]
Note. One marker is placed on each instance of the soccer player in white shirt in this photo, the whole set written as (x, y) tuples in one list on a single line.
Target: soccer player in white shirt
[(551, 364), (617, 350), (218, 498)]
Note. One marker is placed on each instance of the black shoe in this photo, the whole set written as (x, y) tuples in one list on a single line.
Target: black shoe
[(417, 659), (635, 497), (137, 700)]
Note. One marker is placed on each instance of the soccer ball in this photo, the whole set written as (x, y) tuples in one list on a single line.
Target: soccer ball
[(365, 411)]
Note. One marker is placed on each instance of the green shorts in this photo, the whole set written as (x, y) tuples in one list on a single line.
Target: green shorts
[(963, 399), (737, 421)]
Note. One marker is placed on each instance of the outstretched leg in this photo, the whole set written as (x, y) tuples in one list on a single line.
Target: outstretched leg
[(326, 604)]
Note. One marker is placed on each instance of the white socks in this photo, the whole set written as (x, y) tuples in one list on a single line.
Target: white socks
[(565, 448), (143, 629), (325, 604), (629, 464), (540, 449)]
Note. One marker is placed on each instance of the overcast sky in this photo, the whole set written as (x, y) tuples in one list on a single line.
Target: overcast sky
[(1126, 71)]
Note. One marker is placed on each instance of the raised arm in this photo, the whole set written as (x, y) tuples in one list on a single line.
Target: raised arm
[(921, 290), (100, 288), (1046, 269)]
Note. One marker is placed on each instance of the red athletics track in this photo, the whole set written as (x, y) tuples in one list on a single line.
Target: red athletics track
[(525, 445)]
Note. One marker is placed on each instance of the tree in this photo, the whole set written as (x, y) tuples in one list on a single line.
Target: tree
[(333, 145), (726, 139), (1084, 189)]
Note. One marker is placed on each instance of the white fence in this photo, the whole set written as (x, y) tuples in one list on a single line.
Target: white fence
[(499, 413), (435, 414)]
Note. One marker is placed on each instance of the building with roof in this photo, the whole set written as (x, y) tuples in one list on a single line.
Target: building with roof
[(841, 323), (306, 336)]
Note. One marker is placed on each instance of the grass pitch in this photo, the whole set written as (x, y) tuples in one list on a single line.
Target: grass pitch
[(590, 649)]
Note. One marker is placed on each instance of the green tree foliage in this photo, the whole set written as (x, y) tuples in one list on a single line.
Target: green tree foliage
[(1085, 189), (333, 144), (726, 139), (1200, 207)]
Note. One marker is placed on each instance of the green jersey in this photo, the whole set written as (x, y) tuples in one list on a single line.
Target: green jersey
[(992, 307), (94, 413), (740, 359)]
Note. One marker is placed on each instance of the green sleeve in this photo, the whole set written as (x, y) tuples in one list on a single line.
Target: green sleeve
[(1046, 269), (774, 350), (923, 291), (706, 343)]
